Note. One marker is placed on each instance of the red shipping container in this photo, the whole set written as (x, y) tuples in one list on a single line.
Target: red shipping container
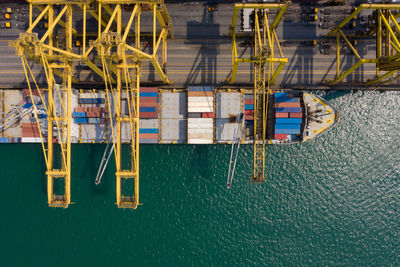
[(207, 115), (94, 114), (280, 136), (248, 112), (282, 115), (200, 93), (148, 99), (249, 117), (148, 135), (148, 89), (249, 102), (296, 115), (148, 104), (147, 115), (79, 109), (287, 105)]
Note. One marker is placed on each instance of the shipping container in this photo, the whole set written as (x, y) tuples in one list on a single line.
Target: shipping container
[(249, 102), (80, 109), (288, 109), (148, 104), (91, 101), (287, 126), (280, 136), (79, 115), (149, 130), (148, 90), (249, 107), (207, 115), (287, 131), (288, 120), (296, 115), (147, 109), (200, 94), (249, 117), (287, 99), (148, 135), (148, 141), (201, 109), (249, 112), (81, 120), (148, 99), (5, 140), (287, 105), (200, 88), (30, 140), (94, 114), (281, 115), (147, 115), (247, 97), (148, 94), (194, 115), (194, 99), (95, 120)]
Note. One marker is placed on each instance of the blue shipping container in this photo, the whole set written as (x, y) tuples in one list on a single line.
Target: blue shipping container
[(78, 114), (287, 99), (249, 107), (147, 109), (81, 120), (5, 140), (287, 126), (200, 88), (91, 100), (287, 131), (148, 130), (277, 95), (148, 94), (288, 109), (288, 120)]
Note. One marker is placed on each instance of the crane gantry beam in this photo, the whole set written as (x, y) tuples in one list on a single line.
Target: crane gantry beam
[(386, 30), (265, 39), (120, 68)]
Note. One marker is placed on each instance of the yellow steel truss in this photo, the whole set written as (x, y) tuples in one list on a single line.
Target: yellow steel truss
[(386, 31), (121, 63), (265, 40), (125, 59)]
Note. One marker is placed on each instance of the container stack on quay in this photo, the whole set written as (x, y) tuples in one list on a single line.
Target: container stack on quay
[(288, 114), (148, 113), (200, 124), (30, 132), (229, 106), (90, 115), (173, 117)]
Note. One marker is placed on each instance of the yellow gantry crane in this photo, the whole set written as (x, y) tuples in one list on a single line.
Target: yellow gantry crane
[(121, 63), (386, 30), (265, 40), (120, 68)]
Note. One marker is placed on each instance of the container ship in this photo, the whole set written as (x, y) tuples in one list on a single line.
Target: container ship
[(193, 115)]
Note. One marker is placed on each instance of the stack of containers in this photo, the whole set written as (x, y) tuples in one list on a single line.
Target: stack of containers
[(200, 115), (91, 115), (10, 139), (30, 133), (148, 103), (148, 113), (288, 114), (249, 107)]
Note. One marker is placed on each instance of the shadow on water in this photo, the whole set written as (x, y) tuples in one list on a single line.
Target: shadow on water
[(204, 68), (201, 162)]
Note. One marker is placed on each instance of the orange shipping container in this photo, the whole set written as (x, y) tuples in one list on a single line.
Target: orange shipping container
[(200, 93), (287, 105), (148, 135)]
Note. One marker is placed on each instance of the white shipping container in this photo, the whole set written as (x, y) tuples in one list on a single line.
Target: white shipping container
[(200, 125), (92, 95), (201, 120), (209, 109), (30, 140), (200, 141), (209, 99)]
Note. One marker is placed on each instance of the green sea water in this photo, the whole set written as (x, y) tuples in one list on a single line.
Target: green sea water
[(333, 201)]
